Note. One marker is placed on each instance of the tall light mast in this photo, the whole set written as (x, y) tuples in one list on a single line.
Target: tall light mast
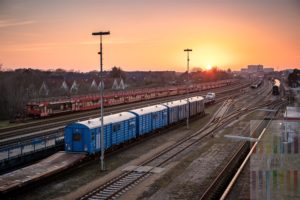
[(101, 96), (187, 85)]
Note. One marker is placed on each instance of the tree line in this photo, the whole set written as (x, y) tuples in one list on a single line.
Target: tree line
[(20, 86)]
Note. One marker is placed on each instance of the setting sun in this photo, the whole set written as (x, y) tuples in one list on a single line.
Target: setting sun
[(208, 67)]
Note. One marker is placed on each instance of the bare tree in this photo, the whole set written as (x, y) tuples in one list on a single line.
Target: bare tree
[(117, 72), (197, 69)]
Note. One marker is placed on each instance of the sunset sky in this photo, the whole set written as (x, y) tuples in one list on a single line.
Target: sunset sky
[(149, 34)]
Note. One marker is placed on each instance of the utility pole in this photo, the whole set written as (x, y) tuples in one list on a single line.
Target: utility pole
[(101, 97), (187, 87)]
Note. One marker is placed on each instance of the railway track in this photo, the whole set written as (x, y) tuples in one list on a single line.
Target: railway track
[(83, 115), (79, 114), (229, 186), (57, 132), (127, 180), (118, 185), (11, 137), (224, 175)]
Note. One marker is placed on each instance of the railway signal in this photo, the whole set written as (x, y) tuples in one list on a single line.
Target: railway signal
[(101, 96)]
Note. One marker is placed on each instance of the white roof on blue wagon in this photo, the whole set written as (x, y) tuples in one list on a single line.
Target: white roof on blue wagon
[(108, 119), (149, 109), (176, 103), (196, 98)]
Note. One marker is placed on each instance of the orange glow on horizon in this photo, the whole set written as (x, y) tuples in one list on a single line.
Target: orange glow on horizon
[(147, 35)]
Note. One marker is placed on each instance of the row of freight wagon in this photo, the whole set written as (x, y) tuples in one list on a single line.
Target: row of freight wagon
[(121, 127), (53, 107)]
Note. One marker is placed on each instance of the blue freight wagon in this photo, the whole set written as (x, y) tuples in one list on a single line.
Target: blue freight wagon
[(85, 136), (196, 105), (121, 127), (177, 110), (150, 118)]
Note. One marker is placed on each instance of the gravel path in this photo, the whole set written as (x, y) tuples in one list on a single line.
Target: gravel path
[(191, 183)]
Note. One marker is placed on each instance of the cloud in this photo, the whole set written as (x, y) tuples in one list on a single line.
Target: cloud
[(8, 23)]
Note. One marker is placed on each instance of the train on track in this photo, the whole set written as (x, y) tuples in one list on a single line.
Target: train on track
[(82, 139), (276, 87), (125, 126), (256, 84), (53, 107)]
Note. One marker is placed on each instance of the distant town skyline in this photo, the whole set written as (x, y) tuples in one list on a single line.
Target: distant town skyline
[(149, 35)]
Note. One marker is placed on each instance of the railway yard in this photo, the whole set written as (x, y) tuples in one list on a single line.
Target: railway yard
[(149, 100), (217, 157)]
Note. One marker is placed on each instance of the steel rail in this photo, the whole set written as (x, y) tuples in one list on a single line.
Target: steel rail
[(118, 185), (59, 127), (222, 174), (79, 115)]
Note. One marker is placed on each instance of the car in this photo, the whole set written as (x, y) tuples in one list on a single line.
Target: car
[(210, 97)]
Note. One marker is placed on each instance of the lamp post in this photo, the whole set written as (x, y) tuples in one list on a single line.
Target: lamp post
[(101, 96), (187, 85)]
